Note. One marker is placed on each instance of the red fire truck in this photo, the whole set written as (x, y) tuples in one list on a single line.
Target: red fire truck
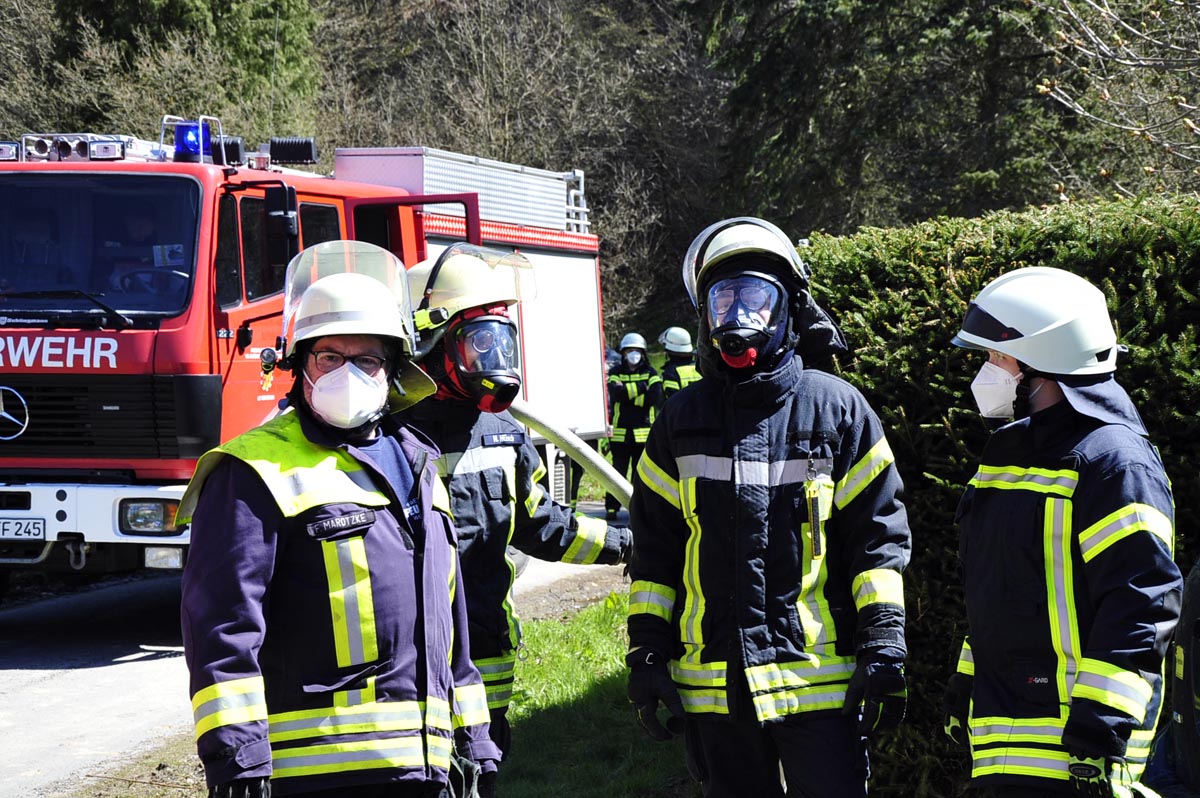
[(141, 280)]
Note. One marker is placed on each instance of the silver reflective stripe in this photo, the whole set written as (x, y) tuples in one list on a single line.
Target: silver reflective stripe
[(1134, 696), (704, 701), (1060, 573), (701, 466), (358, 755), (239, 701), (350, 601), (1046, 732), (478, 459), (378, 718), (1059, 482)]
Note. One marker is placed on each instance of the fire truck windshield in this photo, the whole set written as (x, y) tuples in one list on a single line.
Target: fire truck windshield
[(73, 244)]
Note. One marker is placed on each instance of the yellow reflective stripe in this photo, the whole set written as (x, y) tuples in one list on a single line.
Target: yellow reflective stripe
[(350, 601), (441, 498), (966, 659), (227, 703), (768, 706), (812, 607), (804, 673), (390, 752), (1064, 628), (1036, 762), (589, 540), (691, 620), (356, 697), (470, 705), (439, 750), (1114, 687), (878, 586), (536, 494), (498, 674), (860, 475), (699, 674), (1041, 480), (713, 702), (437, 714), (651, 598), (989, 730), (371, 718), (657, 480), (1123, 523)]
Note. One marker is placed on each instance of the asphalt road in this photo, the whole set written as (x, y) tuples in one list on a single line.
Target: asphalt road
[(87, 679)]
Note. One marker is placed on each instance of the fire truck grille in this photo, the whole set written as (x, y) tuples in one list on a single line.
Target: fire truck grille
[(126, 416)]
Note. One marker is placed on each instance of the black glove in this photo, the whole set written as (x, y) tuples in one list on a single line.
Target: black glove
[(487, 784), (879, 686), (257, 787), (649, 683), (1090, 775), (956, 706)]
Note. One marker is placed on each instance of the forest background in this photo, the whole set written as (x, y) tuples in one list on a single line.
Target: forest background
[(875, 128)]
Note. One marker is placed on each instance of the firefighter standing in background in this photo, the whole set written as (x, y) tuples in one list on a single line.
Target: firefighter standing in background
[(680, 370), (635, 394), (489, 465), (1066, 544), (324, 624), (767, 604)]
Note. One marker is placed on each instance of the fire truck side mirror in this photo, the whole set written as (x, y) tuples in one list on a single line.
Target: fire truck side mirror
[(283, 225)]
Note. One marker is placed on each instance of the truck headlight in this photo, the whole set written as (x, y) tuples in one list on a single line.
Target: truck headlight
[(147, 516)]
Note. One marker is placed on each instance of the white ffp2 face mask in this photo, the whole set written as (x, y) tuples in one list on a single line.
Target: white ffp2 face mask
[(633, 358), (347, 397), (995, 391)]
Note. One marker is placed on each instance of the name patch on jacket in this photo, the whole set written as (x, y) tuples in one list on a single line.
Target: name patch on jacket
[(504, 439), (327, 527)]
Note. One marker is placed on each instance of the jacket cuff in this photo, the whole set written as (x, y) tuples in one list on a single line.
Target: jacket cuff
[(248, 761), (1096, 730)]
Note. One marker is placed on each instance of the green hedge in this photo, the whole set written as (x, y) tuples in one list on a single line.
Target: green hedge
[(899, 295)]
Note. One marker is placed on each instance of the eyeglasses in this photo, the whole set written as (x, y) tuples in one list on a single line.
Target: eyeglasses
[(328, 361)]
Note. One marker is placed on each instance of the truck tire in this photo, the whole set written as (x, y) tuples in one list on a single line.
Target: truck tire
[(1185, 692)]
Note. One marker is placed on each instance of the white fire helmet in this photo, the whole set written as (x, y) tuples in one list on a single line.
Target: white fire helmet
[(677, 340), (1051, 320)]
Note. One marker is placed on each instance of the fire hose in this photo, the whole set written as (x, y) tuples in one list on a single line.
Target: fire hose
[(578, 450)]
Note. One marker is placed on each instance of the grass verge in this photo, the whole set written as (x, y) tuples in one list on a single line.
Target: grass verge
[(573, 731)]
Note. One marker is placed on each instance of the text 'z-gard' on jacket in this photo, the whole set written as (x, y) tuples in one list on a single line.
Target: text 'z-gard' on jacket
[(634, 396), (769, 542), (492, 471), (1067, 532), (323, 625)]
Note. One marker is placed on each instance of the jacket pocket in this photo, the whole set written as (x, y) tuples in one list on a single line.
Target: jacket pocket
[(345, 681)]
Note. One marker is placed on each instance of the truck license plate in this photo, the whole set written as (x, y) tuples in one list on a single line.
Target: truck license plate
[(23, 528)]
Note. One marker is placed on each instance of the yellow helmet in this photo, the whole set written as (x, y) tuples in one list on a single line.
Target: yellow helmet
[(464, 276)]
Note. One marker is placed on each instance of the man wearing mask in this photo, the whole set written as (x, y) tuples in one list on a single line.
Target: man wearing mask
[(324, 624), (767, 604), (489, 465), (634, 396), (1067, 531), (680, 370)]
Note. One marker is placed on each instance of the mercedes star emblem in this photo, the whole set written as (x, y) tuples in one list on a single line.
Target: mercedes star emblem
[(14, 413)]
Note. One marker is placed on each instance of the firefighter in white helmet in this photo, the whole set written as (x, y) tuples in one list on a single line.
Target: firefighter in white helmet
[(635, 393), (323, 627), (680, 370), (488, 463), (767, 604), (1067, 534)]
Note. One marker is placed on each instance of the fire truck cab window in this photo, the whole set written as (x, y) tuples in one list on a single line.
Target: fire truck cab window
[(128, 240), (229, 257), (318, 223), (262, 278)]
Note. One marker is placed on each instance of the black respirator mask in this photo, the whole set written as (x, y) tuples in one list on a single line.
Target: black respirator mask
[(482, 360), (747, 318)]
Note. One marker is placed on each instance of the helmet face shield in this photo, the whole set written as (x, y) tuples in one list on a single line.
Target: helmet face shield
[(980, 323), (744, 300), (486, 344)]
